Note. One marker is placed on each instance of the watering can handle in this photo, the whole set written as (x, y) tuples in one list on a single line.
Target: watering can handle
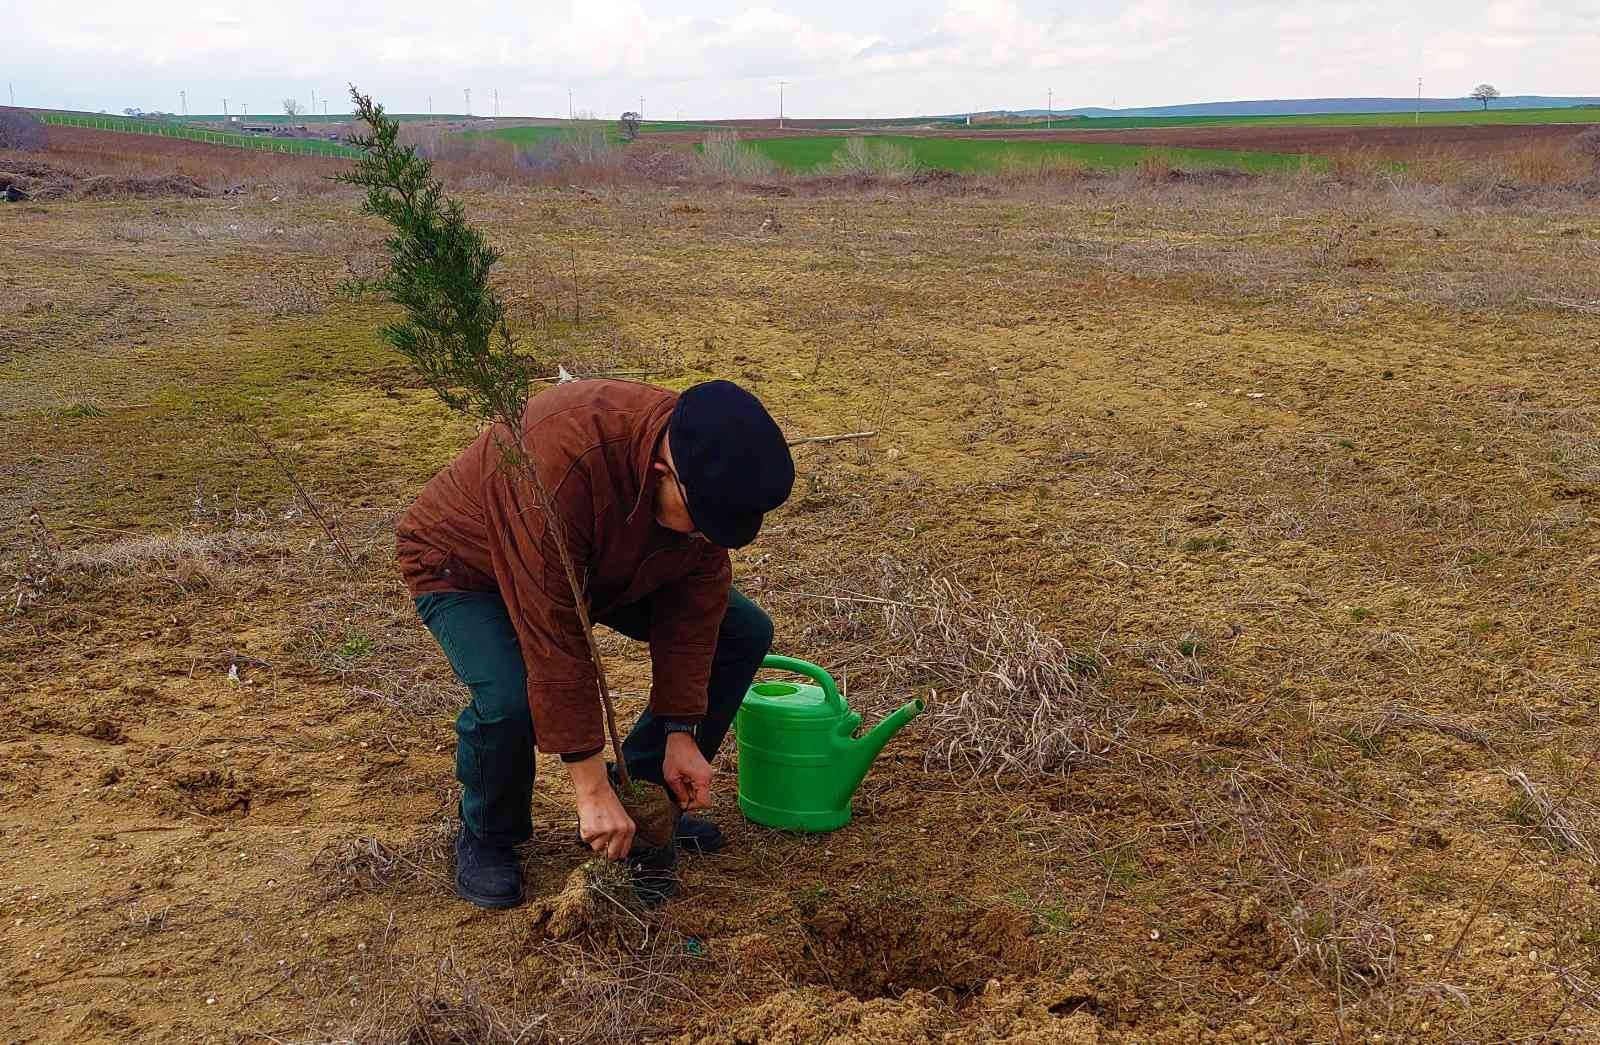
[(830, 692)]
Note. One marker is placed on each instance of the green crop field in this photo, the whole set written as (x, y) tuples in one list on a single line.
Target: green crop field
[(531, 134), (1576, 114), (166, 129), (966, 154)]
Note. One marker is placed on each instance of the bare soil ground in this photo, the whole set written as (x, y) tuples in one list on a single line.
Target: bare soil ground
[(1303, 481), (1398, 143)]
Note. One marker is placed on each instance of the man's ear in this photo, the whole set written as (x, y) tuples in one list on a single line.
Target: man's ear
[(659, 466)]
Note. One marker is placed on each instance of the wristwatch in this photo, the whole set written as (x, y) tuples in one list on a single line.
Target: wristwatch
[(691, 728)]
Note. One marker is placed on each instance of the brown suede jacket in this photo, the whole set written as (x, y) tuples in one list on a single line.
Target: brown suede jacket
[(478, 527)]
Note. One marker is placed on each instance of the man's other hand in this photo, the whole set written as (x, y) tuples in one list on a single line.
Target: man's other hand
[(686, 772)]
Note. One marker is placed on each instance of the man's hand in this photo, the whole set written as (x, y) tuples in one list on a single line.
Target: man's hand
[(603, 823), (687, 772)]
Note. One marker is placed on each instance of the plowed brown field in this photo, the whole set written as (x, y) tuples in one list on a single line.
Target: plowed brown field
[(1305, 481)]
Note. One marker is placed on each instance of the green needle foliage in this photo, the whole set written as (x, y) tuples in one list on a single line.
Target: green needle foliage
[(455, 330)]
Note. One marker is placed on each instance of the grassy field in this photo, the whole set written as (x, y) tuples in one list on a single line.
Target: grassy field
[(1576, 114), (531, 134), (1241, 539), (185, 132), (812, 153)]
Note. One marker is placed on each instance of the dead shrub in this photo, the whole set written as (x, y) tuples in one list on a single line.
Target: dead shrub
[(1355, 166), (1546, 164), (295, 294), (723, 155), (1586, 146), (1016, 699), (862, 157), (1154, 168)]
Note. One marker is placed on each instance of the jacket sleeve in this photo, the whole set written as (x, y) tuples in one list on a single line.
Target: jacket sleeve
[(685, 617), (563, 694)]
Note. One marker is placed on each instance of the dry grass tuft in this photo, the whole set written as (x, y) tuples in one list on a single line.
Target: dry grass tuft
[(365, 865), (1342, 927), (1022, 702), (372, 641), (1533, 807)]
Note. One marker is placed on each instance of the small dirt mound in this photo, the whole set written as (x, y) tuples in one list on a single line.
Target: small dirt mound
[(210, 791), (1031, 1012), (597, 903), (886, 946)]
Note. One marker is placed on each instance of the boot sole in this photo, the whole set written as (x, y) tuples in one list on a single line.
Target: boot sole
[(492, 903)]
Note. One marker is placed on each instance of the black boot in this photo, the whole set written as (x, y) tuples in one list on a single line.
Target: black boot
[(655, 876), (487, 875), (696, 834)]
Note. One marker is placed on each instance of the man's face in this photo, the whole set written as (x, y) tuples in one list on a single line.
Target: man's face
[(671, 510)]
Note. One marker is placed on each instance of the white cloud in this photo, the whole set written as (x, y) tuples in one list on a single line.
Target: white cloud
[(719, 59)]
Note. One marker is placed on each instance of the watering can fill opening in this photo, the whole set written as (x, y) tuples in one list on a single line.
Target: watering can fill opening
[(799, 760)]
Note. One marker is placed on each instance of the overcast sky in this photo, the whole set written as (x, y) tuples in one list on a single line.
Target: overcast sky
[(841, 57)]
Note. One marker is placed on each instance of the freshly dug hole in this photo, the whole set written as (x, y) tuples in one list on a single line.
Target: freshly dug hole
[(888, 945)]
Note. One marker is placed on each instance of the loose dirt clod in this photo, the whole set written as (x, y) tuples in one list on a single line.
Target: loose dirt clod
[(597, 904)]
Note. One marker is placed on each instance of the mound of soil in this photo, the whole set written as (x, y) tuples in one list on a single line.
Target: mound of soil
[(1031, 1011), (35, 180), (110, 187)]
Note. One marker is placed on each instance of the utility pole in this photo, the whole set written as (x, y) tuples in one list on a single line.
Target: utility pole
[(781, 85), (1049, 106), (569, 104), (313, 101), (224, 109), (497, 101), (1418, 120), (13, 89), (641, 108), (324, 108), (466, 92), (183, 96), (244, 108), (430, 105)]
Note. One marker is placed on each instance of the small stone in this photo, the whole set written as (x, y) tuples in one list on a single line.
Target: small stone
[(211, 1001)]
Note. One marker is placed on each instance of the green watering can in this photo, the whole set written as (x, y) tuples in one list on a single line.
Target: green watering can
[(798, 763)]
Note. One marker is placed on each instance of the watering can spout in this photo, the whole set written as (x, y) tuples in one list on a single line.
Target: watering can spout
[(857, 755)]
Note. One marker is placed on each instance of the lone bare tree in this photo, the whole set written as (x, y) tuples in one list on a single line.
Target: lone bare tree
[(1484, 93), (630, 125), (292, 108)]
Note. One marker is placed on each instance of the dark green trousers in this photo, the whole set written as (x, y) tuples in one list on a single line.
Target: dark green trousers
[(495, 741)]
